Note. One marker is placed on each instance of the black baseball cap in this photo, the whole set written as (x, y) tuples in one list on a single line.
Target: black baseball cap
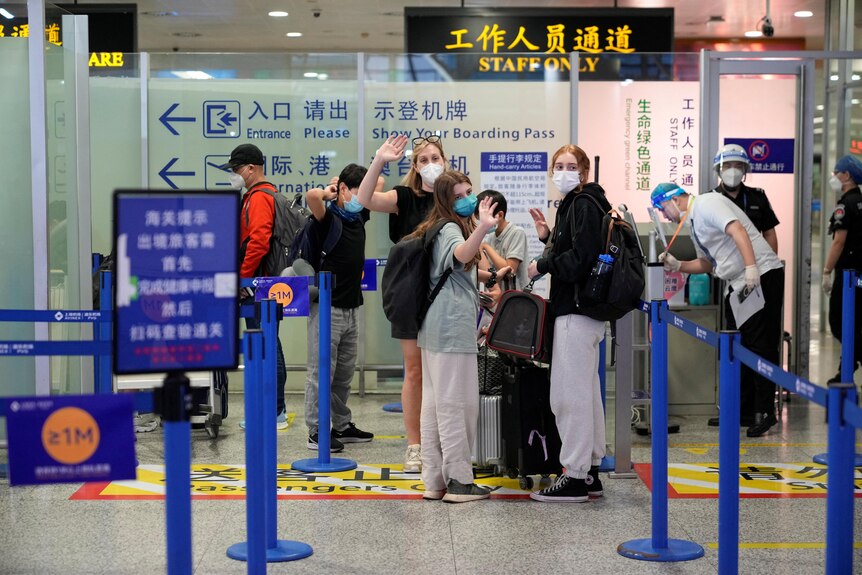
[(244, 154)]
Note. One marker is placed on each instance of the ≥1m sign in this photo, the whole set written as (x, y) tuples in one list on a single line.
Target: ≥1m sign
[(70, 439), (176, 281)]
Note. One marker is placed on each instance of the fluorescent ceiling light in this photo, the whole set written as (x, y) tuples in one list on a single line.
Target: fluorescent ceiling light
[(854, 77), (834, 77), (311, 74), (294, 34), (6, 13), (191, 75), (278, 14), (803, 14), (753, 34), (322, 76), (820, 107), (854, 101)]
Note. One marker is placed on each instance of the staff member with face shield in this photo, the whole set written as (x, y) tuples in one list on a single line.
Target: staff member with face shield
[(845, 225), (730, 247), (731, 164)]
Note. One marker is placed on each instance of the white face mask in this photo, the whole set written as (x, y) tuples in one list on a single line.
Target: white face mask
[(566, 181), (835, 183), (731, 177), (236, 181), (430, 173)]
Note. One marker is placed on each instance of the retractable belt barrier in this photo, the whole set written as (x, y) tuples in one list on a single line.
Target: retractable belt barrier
[(260, 348), (844, 417)]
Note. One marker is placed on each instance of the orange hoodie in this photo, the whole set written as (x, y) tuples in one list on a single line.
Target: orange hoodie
[(256, 222)]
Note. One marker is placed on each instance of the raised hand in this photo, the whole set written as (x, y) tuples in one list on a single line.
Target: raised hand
[(486, 213), (393, 148), (542, 228)]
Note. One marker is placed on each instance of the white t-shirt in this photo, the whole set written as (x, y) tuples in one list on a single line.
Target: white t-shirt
[(709, 216), (512, 243)]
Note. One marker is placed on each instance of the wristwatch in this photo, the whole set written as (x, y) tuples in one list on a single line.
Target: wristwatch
[(491, 280)]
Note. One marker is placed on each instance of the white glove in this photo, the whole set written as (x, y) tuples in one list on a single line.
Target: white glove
[(752, 277), (827, 283), (670, 263)]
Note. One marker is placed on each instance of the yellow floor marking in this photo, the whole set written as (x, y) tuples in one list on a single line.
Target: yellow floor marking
[(695, 445), (810, 545), (389, 436), (697, 450)]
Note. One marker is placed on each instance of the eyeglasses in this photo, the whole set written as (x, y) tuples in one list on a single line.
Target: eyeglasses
[(429, 139)]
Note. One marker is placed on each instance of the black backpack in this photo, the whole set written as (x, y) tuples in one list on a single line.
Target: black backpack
[(308, 244), (627, 277), (406, 294), (290, 218)]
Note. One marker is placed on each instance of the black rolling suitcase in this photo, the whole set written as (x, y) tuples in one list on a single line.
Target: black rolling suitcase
[(531, 442)]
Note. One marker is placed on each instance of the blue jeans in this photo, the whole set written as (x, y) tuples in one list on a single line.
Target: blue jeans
[(280, 367)]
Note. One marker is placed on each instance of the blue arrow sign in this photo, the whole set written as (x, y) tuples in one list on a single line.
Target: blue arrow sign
[(166, 119), (166, 175)]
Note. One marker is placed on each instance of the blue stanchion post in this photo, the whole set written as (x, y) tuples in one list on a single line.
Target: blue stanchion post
[(840, 487), (175, 402), (608, 463), (728, 454), (848, 345), (659, 547), (253, 550), (324, 462), (104, 382)]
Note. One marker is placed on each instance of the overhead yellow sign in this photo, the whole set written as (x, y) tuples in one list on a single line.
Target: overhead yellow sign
[(228, 482)]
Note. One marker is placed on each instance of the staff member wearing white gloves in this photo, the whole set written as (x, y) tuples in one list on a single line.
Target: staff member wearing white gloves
[(730, 247)]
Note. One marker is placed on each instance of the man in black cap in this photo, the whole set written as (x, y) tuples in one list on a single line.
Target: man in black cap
[(246, 170), (845, 225)]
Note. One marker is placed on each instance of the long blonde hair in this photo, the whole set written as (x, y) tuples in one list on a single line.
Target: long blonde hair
[(444, 197), (412, 179)]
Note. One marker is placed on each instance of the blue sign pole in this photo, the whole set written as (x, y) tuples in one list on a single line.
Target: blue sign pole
[(178, 501), (254, 549), (104, 382), (728, 455), (840, 488), (608, 463), (848, 347), (276, 549), (324, 461), (659, 547)]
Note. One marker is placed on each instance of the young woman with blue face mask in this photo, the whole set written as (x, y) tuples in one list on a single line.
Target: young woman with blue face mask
[(407, 205), (447, 339)]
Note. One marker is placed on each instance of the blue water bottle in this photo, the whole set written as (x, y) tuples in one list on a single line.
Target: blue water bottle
[(698, 289), (600, 278)]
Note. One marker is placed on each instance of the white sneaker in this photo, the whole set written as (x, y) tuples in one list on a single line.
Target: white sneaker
[(413, 459), (146, 422)]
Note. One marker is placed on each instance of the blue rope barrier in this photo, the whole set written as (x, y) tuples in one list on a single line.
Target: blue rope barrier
[(811, 391), (143, 401), (852, 413), (37, 348), (689, 327), (56, 315)]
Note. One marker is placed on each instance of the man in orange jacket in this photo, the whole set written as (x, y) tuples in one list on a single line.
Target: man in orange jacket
[(257, 216)]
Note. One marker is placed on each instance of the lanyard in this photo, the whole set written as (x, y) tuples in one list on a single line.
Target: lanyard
[(681, 222)]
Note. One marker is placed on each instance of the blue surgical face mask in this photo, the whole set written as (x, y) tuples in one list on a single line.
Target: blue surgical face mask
[(465, 206), (492, 231), (353, 206)]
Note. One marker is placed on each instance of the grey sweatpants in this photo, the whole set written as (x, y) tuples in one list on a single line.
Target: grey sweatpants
[(576, 397), (345, 333), (450, 414)]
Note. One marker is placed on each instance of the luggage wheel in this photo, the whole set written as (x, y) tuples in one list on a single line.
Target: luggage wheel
[(212, 430), (526, 482)]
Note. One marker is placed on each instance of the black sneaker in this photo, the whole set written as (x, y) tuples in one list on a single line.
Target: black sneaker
[(352, 434), (744, 421), (334, 445), (565, 488), (457, 492), (761, 427), (594, 484)]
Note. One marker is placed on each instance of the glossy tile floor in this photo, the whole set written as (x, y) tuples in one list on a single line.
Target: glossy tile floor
[(44, 532)]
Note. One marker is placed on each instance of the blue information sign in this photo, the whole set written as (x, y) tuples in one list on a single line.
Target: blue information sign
[(290, 292), (70, 439), (176, 281), (369, 275), (767, 155)]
